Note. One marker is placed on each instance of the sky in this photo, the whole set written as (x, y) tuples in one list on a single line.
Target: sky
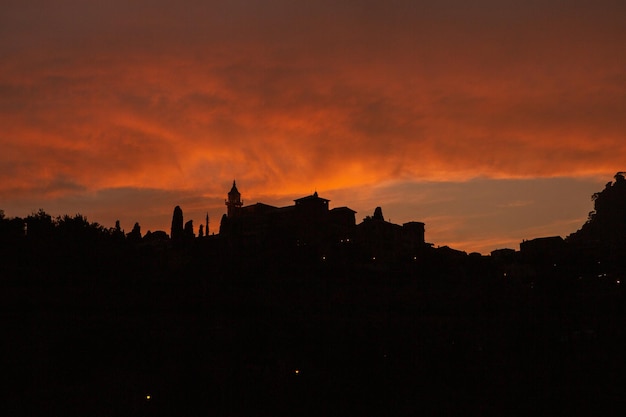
[(490, 121)]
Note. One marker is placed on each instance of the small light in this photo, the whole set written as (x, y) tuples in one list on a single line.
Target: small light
[(148, 397), (297, 372), (618, 282)]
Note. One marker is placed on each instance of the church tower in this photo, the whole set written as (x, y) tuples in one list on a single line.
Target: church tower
[(234, 200)]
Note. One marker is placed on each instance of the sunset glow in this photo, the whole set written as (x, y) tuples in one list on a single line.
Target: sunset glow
[(490, 122)]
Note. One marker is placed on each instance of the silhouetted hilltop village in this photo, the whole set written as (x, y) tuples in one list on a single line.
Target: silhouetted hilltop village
[(310, 230), (300, 310), (310, 224)]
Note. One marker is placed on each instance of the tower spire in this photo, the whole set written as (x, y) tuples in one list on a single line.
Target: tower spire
[(233, 203)]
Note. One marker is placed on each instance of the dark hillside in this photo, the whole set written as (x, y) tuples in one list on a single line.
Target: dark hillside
[(99, 323)]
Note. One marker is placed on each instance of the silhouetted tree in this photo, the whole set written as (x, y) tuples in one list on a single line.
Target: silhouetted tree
[(11, 229), (156, 236), (607, 222), (177, 225), (224, 225), (15, 227), (117, 233), (72, 226), (77, 229), (135, 234), (3, 223), (118, 228), (39, 225), (188, 232)]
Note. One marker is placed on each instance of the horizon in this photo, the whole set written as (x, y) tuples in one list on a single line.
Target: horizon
[(560, 226), (490, 123)]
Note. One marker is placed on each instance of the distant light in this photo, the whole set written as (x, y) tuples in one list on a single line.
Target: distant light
[(505, 275), (297, 372), (323, 258), (415, 258), (148, 397), (618, 282), (373, 258)]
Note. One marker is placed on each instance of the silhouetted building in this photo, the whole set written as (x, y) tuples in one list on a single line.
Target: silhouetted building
[(383, 239), (414, 233), (506, 254), (233, 203), (308, 222), (543, 250)]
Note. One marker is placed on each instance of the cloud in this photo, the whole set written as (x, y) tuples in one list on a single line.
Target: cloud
[(289, 97)]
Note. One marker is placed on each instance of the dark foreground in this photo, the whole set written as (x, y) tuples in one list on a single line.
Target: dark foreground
[(272, 342)]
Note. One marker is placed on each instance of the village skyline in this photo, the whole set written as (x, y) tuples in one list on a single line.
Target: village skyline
[(574, 212)]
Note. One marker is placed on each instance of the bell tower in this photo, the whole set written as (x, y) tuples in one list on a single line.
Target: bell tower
[(234, 201)]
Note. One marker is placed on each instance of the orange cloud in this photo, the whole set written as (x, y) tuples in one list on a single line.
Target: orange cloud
[(288, 98)]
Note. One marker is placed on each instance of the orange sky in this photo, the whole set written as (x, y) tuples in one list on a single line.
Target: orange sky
[(492, 122)]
